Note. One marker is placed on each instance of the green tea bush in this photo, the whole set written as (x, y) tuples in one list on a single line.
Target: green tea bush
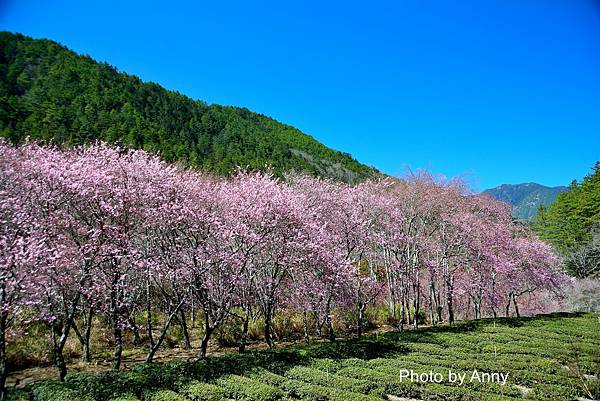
[(163, 395), (392, 383), (555, 392), (16, 394), (267, 377), (248, 389), (126, 397), (198, 391), (312, 392), (322, 378), (57, 391), (438, 392)]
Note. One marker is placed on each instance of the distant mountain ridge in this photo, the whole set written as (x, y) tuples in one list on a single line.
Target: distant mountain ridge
[(525, 198)]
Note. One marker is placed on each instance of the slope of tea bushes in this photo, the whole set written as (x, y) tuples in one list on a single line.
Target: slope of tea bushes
[(548, 357)]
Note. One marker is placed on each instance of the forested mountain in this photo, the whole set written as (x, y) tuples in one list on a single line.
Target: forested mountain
[(52, 94), (572, 224), (525, 198)]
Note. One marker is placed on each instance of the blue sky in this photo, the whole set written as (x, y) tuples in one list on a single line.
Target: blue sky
[(498, 91)]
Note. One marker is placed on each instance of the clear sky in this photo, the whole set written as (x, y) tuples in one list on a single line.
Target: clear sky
[(502, 91)]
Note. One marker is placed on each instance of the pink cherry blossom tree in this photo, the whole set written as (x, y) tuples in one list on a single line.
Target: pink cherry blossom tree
[(23, 250), (104, 230)]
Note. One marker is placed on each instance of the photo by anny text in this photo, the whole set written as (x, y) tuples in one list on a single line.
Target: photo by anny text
[(459, 378)]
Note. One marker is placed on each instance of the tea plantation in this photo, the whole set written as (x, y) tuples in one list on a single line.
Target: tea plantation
[(549, 357)]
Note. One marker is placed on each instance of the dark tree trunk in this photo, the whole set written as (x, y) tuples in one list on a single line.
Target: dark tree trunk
[(318, 324), (431, 304), (193, 311), (439, 307), (450, 300), (416, 304), (187, 344), (3, 327), (149, 327), (244, 338), (58, 342), (84, 337), (330, 329), (208, 330), (87, 356), (137, 340), (118, 336), (514, 297), (268, 330), (477, 307), (155, 345), (204, 343), (402, 305), (59, 362)]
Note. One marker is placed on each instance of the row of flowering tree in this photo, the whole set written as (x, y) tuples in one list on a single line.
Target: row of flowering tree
[(103, 234)]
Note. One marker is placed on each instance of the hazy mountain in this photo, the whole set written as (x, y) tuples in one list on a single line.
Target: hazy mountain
[(525, 198), (51, 94)]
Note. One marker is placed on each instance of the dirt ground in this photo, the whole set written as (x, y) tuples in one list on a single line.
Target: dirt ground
[(130, 358)]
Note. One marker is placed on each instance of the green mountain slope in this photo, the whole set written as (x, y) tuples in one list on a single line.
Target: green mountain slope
[(50, 93), (525, 198), (573, 219)]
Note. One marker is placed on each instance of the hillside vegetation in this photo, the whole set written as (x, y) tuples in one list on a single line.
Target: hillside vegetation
[(525, 198), (572, 224), (52, 94), (531, 351)]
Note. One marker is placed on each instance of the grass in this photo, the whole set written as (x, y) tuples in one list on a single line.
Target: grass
[(550, 357)]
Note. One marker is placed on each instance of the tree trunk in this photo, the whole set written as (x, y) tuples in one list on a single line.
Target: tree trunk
[(84, 337), (431, 304), (402, 305), (416, 313), (317, 324), (193, 307), (477, 307), (508, 304), (118, 336), (149, 327), (450, 300), (137, 340), (514, 297), (87, 356), (305, 321), (154, 346), (439, 307), (3, 327), (245, 323), (208, 330), (58, 343), (187, 344), (268, 330), (330, 328), (361, 311), (59, 362)]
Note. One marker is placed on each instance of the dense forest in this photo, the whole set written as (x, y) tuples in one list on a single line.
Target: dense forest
[(54, 95), (572, 225)]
